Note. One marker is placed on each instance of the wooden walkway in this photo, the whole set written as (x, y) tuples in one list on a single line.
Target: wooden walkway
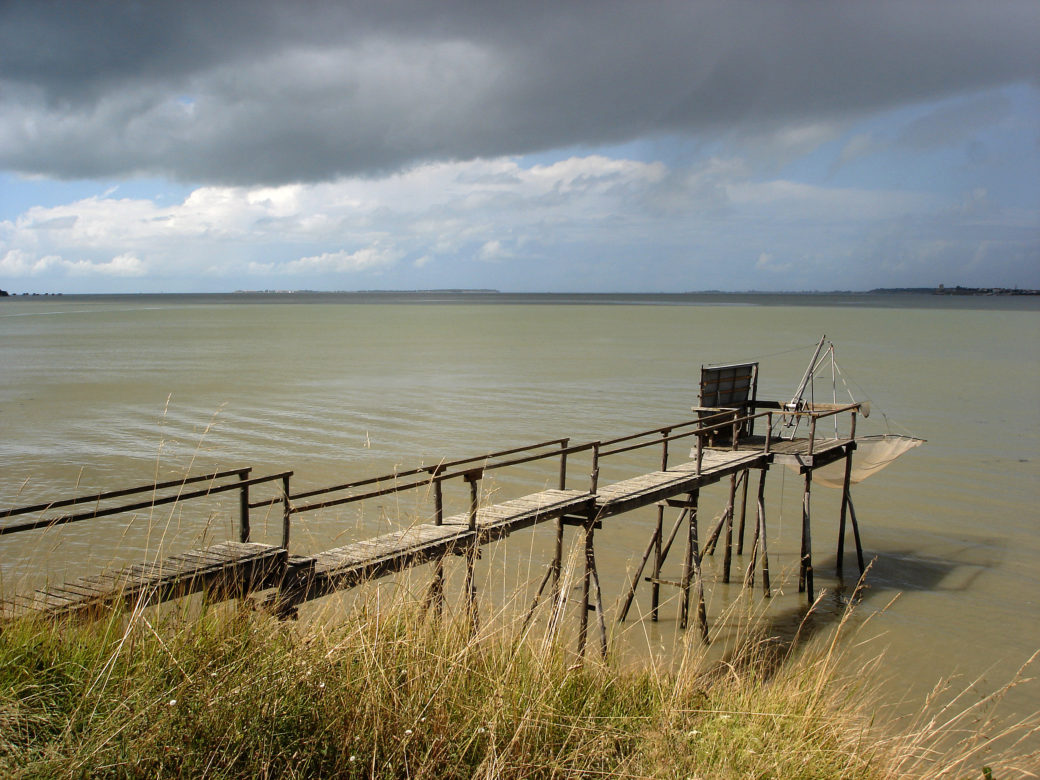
[(235, 569), (352, 564), (282, 581)]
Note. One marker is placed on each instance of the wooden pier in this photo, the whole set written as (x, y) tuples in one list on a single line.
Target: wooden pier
[(721, 442)]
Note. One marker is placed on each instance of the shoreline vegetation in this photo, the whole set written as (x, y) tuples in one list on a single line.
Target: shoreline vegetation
[(387, 690)]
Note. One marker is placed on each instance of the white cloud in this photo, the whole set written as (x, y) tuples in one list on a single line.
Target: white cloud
[(331, 262), (767, 263), (576, 223), (19, 264)]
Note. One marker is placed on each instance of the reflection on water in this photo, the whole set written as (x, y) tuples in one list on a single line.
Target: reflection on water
[(104, 393)]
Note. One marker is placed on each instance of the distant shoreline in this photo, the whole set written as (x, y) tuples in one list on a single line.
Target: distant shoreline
[(476, 292)]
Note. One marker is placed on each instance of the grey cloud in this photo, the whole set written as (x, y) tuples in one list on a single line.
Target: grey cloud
[(253, 92)]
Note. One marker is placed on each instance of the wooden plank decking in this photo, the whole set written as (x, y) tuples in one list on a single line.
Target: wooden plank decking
[(347, 566), (795, 452), (657, 486), (226, 569)]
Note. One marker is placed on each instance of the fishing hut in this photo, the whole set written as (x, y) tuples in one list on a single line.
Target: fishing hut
[(733, 435)]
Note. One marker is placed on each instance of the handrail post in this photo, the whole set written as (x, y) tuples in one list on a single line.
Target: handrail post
[(438, 493), (473, 477), (438, 503), (243, 503), (286, 511), (563, 463), (665, 432), (852, 426), (736, 428), (769, 431), (595, 468), (812, 431)]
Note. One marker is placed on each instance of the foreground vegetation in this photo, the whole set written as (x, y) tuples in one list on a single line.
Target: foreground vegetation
[(229, 693)]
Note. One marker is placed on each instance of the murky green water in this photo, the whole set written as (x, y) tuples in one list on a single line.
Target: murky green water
[(105, 393)]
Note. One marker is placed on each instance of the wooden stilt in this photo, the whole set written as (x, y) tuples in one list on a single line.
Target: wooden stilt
[(655, 543), (537, 597), (745, 477), (702, 612), (749, 574), (583, 616), (805, 570), (471, 589), (727, 561), (855, 532), (471, 554), (557, 564), (691, 566), (844, 507), (713, 537), (761, 518), (655, 586), (437, 587), (590, 557)]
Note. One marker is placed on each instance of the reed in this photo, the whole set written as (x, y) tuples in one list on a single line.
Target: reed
[(223, 691)]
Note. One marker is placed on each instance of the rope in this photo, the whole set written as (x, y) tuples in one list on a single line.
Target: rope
[(866, 396), (769, 355)]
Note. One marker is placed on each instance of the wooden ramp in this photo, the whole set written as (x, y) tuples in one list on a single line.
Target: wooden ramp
[(225, 570)]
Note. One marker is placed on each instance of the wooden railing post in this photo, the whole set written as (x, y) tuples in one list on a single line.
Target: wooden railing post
[(473, 478), (595, 469), (243, 503), (665, 433), (286, 511), (563, 463)]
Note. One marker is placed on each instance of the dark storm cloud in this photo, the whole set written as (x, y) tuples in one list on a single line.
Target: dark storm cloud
[(252, 92)]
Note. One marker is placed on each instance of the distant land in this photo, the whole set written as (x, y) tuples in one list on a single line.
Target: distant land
[(940, 290), (958, 290)]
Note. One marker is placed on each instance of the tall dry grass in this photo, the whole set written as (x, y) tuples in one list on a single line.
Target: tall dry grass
[(392, 692)]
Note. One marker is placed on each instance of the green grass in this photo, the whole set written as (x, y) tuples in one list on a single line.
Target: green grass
[(230, 694)]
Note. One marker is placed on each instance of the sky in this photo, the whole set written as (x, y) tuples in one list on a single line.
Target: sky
[(642, 146)]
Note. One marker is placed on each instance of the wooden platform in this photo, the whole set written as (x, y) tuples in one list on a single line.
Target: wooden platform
[(795, 452), (225, 570)]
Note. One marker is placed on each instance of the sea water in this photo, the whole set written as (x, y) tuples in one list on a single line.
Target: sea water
[(100, 393)]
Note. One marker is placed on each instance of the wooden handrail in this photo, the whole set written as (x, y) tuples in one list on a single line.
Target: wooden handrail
[(75, 518), (107, 495)]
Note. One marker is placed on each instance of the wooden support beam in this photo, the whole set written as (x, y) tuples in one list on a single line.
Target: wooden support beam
[(845, 501), (759, 545), (692, 573), (805, 569), (855, 532), (655, 589), (727, 561), (745, 477), (655, 544)]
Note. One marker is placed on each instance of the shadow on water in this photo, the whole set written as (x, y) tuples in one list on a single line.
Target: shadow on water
[(889, 573)]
